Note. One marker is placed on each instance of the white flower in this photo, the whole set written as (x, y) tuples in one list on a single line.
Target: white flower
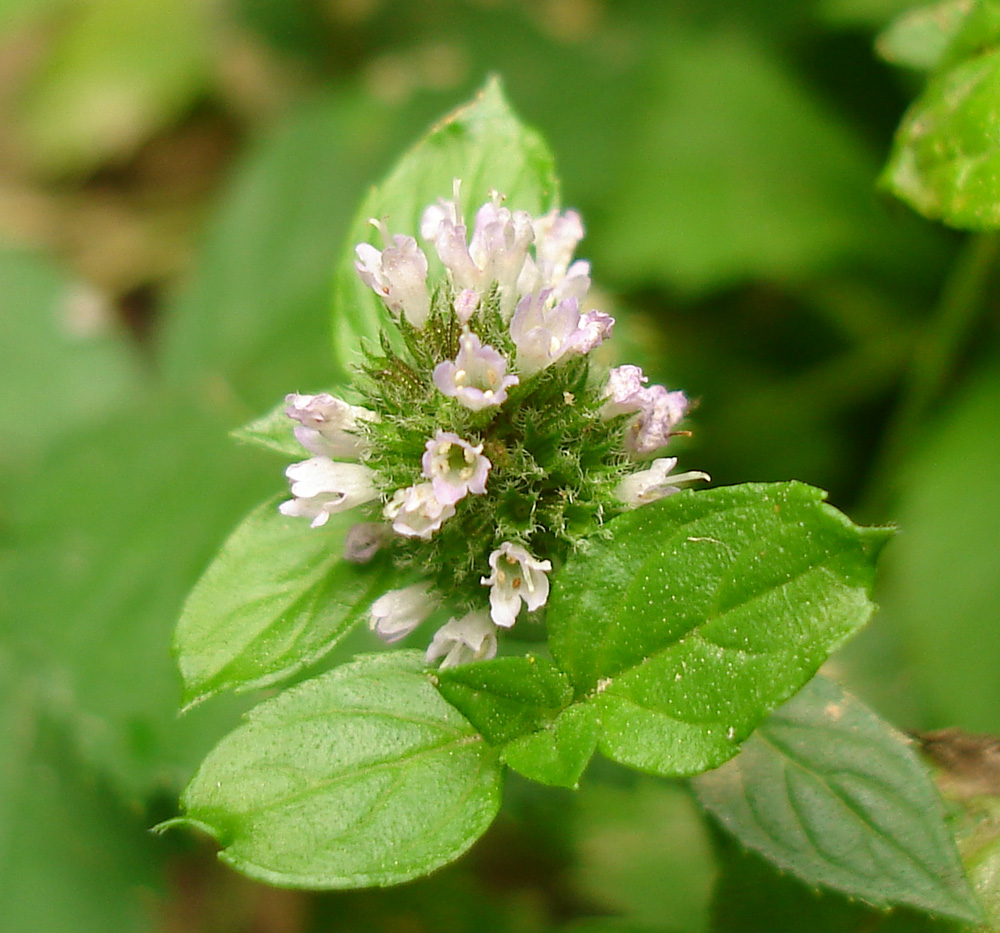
[(556, 238), (364, 540), (496, 252), (625, 391), (661, 412), (477, 377), (397, 274), (454, 467), (516, 577), (654, 483), (471, 638), (415, 512), (328, 426), (322, 487), (397, 613), (544, 334)]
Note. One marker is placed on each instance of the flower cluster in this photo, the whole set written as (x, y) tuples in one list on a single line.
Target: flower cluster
[(486, 444)]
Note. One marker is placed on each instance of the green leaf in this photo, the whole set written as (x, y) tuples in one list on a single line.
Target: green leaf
[(117, 72), (274, 431), (506, 697), (945, 159), (702, 612), (278, 597), (830, 792), (920, 37), (102, 543), (71, 857), (558, 753), (60, 335), (644, 852), (483, 144), (363, 776), (942, 583)]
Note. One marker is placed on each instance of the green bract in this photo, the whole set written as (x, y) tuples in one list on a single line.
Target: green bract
[(482, 462)]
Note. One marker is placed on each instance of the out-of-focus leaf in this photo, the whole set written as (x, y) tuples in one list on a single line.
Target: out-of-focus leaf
[(71, 858), (277, 597), (483, 144), (63, 363), (735, 172), (643, 853), (257, 311), (103, 544), (943, 581), (712, 608), (919, 38), (15, 12), (945, 160), (869, 13), (363, 776), (118, 71), (830, 792)]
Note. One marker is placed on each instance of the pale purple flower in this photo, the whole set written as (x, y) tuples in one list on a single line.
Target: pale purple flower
[(655, 483), (517, 577), (544, 334), (454, 467), (364, 540), (328, 426), (495, 254), (459, 641), (625, 391), (397, 613), (660, 414), (397, 274), (322, 487), (556, 238), (415, 512), (477, 377)]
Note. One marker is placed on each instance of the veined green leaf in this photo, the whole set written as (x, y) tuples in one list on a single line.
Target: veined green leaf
[(277, 597), (701, 613), (363, 776), (484, 145), (830, 792)]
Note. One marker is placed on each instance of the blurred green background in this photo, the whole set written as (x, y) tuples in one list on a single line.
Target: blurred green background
[(176, 179)]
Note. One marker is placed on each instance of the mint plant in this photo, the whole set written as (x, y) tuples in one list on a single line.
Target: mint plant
[(482, 477)]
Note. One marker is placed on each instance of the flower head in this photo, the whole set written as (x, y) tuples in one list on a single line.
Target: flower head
[(517, 577), (477, 377), (415, 512), (471, 638), (398, 612), (322, 487), (328, 426), (454, 467)]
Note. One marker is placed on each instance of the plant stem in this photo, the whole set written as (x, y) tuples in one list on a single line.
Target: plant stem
[(933, 361)]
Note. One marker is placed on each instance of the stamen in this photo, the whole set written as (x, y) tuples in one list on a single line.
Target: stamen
[(461, 377)]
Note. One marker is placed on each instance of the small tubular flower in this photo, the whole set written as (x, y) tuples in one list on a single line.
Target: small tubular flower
[(477, 377), (322, 487), (660, 414), (459, 641), (545, 334), (556, 238), (454, 467), (415, 512), (655, 483), (398, 612), (625, 391), (397, 274), (328, 426), (517, 577)]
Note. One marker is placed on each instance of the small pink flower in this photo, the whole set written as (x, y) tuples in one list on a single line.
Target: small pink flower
[(471, 638), (655, 483), (397, 274), (322, 487), (328, 426), (477, 377), (398, 612), (415, 512), (454, 467), (517, 577)]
